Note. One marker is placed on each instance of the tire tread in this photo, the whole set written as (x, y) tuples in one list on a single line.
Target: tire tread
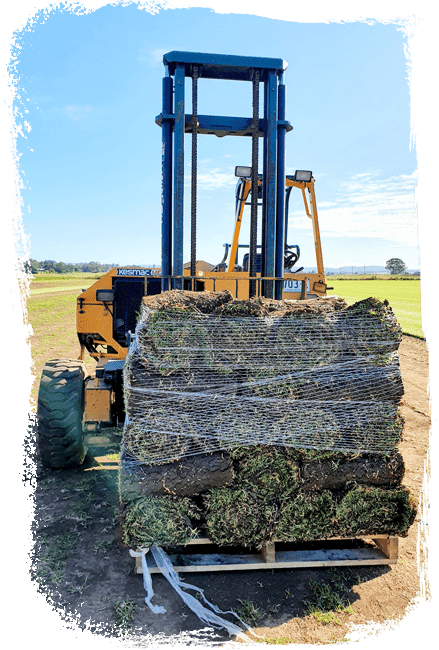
[(59, 414)]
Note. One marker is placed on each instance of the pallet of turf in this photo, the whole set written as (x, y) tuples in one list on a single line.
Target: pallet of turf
[(257, 422), (271, 504), (207, 373)]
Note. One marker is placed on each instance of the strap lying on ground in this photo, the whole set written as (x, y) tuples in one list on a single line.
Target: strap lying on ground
[(205, 615), (147, 582)]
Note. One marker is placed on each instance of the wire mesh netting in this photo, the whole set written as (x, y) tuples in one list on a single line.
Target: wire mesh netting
[(208, 373), (249, 421)]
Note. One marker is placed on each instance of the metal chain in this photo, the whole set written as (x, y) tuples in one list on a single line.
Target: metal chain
[(194, 174), (254, 179)]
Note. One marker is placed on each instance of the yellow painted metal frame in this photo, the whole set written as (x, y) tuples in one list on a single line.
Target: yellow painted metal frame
[(95, 318), (238, 283), (239, 214), (98, 398), (311, 212)]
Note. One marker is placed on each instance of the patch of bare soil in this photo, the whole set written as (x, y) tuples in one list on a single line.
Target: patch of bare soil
[(83, 568)]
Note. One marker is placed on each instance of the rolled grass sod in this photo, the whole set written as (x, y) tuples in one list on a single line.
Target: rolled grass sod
[(265, 471), (335, 470), (189, 476), (279, 503), (307, 516), (366, 510), (237, 517), (158, 521)]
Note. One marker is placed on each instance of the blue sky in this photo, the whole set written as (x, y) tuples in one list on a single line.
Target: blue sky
[(91, 151)]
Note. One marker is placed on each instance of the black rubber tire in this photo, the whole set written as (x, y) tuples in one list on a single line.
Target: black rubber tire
[(60, 439)]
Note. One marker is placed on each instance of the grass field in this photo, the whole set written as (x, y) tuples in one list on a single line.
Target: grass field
[(61, 278), (52, 304), (52, 313), (404, 297)]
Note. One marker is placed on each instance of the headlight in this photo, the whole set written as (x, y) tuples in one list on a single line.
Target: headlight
[(243, 172), (302, 175), (104, 295)]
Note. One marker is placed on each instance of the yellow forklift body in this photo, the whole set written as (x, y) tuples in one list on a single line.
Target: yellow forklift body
[(98, 399), (94, 318)]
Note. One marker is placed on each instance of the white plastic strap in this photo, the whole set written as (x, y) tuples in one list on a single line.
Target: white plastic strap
[(205, 615), (147, 581)]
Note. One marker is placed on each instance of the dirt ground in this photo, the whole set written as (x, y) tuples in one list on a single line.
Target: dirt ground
[(81, 566)]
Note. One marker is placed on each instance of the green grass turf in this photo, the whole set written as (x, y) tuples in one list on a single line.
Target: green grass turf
[(62, 278), (404, 297)]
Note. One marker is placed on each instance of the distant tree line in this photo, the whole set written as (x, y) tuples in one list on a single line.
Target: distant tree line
[(395, 265), (50, 266)]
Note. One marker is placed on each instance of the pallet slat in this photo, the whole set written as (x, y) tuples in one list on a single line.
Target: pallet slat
[(389, 546), (385, 552)]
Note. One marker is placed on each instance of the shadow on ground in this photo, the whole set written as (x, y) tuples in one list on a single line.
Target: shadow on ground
[(86, 573)]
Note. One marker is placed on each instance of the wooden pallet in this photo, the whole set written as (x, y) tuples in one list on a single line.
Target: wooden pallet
[(276, 555)]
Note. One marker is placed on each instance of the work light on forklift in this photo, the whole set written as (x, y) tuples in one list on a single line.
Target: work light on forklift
[(243, 172), (104, 295), (302, 175)]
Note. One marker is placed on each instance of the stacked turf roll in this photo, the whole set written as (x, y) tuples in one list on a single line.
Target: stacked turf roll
[(257, 420)]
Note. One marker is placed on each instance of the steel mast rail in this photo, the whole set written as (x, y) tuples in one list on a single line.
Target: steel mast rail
[(271, 128)]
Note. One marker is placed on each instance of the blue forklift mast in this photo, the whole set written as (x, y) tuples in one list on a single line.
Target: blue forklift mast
[(271, 127)]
